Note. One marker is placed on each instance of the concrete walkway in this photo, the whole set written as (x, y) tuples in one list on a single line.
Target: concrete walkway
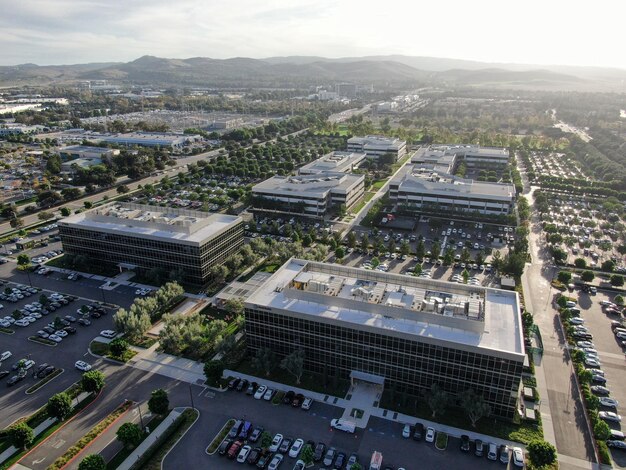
[(168, 365), (151, 439)]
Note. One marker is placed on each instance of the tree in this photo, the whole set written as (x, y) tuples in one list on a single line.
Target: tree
[(448, 257), (601, 430), (92, 381), (23, 259), (65, 211), (580, 263), (59, 406), (88, 204), (587, 276), (16, 222), (264, 360), (438, 400), (266, 440), (129, 434), (619, 300), (541, 453), (608, 266), (340, 252), (435, 251), (118, 347), (294, 364), (45, 215), (234, 306), (307, 454), (617, 280), (219, 273), (420, 249), (213, 371), (466, 276), (123, 189), (21, 435), (356, 466), (159, 403), (417, 270), (351, 240), (92, 462), (375, 262), (365, 242), (475, 406), (53, 165), (564, 277), (405, 249)]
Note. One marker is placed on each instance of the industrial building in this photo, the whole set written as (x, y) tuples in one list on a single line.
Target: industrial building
[(143, 237), (87, 152), (376, 146), (312, 195), (422, 188), (150, 139), (404, 332)]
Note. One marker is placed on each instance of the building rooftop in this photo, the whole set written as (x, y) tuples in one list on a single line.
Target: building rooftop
[(85, 148), (468, 316), (428, 179), (317, 185), (339, 162), (182, 225), (377, 141)]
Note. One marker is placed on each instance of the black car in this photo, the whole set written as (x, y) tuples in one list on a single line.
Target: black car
[(4, 373), (598, 379), (285, 445), (40, 368), (233, 383), (70, 329), (418, 432), (224, 446), (83, 322), (289, 397), (465, 443), (264, 460), (297, 400), (48, 330), (254, 456), (320, 449), (242, 385), (256, 434), (46, 372), (252, 388), (95, 315), (64, 322), (340, 461)]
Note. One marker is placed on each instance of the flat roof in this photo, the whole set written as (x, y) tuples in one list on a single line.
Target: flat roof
[(425, 310), (377, 140), (85, 148), (317, 185), (334, 162), (145, 221)]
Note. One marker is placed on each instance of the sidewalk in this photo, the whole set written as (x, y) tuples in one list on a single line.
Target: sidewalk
[(174, 367)]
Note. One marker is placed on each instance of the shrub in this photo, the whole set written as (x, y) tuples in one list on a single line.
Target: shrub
[(541, 453)]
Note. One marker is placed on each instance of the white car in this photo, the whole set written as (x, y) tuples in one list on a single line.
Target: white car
[(108, 333), (5, 355), (430, 435), (585, 344), (609, 402), (82, 365), (269, 393), (61, 333), (243, 454), (518, 457), (609, 416), (28, 364), (55, 338), (278, 439), (592, 362), (406, 431), (23, 322), (306, 404), (260, 392), (4, 324), (296, 447)]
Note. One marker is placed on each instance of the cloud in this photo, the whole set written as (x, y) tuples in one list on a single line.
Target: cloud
[(72, 31)]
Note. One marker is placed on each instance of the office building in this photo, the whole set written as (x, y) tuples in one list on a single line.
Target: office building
[(346, 90), (150, 139), (338, 162), (144, 237), (439, 159), (486, 157), (405, 332), (423, 189), (313, 195), (376, 146), (87, 152)]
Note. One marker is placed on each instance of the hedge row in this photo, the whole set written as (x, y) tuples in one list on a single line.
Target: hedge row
[(217, 440)]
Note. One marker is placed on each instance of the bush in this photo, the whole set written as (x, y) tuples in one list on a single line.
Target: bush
[(603, 452), (564, 276), (59, 406), (587, 276), (541, 453), (159, 403), (92, 381), (21, 435), (92, 462), (130, 435)]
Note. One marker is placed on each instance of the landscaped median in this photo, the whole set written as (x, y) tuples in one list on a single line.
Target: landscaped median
[(6, 331), (442, 441), (90, 436), (217, 440), (44, 341), (44, 381), (122, 354)]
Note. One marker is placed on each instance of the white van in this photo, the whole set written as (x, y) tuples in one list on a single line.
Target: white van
[(341, 425)]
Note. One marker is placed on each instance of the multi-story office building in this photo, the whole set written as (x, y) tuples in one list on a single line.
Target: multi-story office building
[(376, 146), (144, 237), (486, 157), (312, 195), (346, 90), (422, 188), (338, 162), (408, 332)]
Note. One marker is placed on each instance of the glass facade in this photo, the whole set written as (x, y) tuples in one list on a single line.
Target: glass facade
[(195, 261), (410, 365)]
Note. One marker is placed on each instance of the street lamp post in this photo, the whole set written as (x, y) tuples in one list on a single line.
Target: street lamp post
[(191, 397)]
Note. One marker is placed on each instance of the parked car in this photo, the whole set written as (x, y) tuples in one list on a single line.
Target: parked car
[(616, 444), (465, 443), (492, 452), (108, 334), (224, 446), (504, 454), (479, 448), (430, 435), (306, 404), (278, 439), (320, 450), (418, 431), (329, 458), (260, 392), (82, 365), (296, 447), (518, 457), (275, 462)]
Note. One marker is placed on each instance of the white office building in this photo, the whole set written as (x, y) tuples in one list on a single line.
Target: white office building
[(375, 146), (338, 162)]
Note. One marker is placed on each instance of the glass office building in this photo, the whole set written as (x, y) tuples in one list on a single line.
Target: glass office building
[(413, 332), (144, 237)]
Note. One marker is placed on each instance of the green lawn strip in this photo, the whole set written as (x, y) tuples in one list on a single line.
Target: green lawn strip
[(90, 436), (153, 458), (7, 331), (44, 381), (124, 453), (442, 441), (44, 341), (361, 204), (102, 349), (524, 431), (37, 418), (143, 342), (217, 440), (376, 185)]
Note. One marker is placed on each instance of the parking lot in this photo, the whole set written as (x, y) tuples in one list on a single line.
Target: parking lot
[(610, 353), (381, 435)]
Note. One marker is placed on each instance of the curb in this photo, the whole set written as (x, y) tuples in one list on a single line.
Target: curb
[(218, 433), (43, 385), (181, 437), (42, 343), (60, 427), (97, 437)]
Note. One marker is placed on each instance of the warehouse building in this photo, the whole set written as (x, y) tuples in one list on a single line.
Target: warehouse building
[(142, 237), (405, 332)]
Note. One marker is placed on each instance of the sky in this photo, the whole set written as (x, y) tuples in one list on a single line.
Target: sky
[(548, 32)]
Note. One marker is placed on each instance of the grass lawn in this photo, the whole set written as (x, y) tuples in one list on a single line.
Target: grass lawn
[(361, 204), (523, 432), (143, 342), (100, 268), (313, 382), (376, 185), (102, 349)]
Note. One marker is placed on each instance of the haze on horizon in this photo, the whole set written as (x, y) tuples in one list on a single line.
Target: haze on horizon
[(555, 32)]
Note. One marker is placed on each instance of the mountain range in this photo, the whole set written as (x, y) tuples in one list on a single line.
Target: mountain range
[(303, 71)]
